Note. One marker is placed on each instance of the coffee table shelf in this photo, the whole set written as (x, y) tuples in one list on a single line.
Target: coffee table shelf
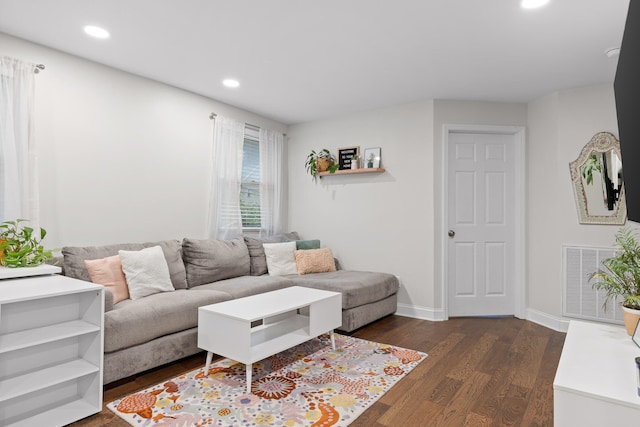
[(266, 333), (226, 328)]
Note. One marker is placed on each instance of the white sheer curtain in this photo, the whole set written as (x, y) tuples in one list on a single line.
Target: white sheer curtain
[(272, 182), (18, 161), (225, 218)]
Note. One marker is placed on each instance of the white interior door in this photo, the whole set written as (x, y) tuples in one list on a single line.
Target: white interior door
[(481, 224)]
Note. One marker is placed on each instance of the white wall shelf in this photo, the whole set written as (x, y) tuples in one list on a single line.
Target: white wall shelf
[(51, 350), (352, 171)]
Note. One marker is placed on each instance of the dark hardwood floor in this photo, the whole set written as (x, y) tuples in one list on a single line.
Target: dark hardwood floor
[(480, 372)]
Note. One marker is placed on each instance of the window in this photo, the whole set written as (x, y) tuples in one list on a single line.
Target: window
[(250, 180)]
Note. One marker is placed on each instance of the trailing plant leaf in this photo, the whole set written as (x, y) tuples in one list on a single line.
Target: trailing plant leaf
[(311, 164), (326, 154), (593, 163), (21, 246), (333, 168)]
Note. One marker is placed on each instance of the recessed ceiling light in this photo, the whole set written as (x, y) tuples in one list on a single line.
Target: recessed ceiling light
[(97, 32), (532, 4), (231, 83), (613, 52)]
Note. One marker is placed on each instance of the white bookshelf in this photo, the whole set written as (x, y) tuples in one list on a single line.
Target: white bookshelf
[(51, 350)]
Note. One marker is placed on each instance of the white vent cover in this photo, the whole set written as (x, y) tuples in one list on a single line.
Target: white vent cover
[(580, 299)]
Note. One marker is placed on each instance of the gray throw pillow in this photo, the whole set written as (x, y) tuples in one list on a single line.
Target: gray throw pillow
[(74, 257), (257, 256), (207, 261), (256, 250)]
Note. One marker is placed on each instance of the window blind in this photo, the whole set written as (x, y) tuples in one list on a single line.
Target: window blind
[(250, 184)]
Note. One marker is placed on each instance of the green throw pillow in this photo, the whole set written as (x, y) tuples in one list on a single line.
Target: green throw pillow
[(307, 244)]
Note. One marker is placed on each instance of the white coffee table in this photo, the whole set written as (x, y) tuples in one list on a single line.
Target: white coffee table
[(225, 328)]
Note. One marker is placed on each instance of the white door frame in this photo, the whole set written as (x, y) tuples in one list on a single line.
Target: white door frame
[(520, 294)]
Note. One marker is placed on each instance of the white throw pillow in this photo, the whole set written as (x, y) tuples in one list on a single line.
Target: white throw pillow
[(280, 258), (146, 271)]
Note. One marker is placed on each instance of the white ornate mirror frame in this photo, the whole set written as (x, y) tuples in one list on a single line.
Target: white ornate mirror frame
[(594, 153)]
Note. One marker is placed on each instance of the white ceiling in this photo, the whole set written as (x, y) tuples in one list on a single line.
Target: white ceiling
[(303, 60)]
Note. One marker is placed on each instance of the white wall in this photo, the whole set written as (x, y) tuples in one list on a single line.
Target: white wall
[(122, 158), (544, 172), (376, 222), (560, 124)]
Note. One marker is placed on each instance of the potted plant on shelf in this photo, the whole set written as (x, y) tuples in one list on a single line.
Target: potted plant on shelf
[(620, 277), (21, 245), (370, 159), (320, 162), (354, 162)]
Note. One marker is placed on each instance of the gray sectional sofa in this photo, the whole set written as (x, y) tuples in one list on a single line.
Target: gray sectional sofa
[(157, 329)]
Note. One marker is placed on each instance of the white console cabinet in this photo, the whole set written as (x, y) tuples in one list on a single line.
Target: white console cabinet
[(595, 384), (51, 350)]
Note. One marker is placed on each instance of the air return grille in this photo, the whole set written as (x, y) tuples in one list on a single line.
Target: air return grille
[(580, 299)]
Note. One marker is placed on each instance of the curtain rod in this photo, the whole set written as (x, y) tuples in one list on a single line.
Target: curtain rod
[(38, 68), (212, 116)]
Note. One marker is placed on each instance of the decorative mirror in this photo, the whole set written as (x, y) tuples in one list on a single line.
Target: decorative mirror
[(597, 181)]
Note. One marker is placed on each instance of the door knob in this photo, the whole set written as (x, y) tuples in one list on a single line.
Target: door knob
[(451, 233)]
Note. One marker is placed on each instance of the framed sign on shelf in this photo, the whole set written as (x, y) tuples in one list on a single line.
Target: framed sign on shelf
[(345, 155), (372, 158)]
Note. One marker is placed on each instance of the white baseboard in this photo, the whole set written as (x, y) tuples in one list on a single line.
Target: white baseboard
[(424, 313), (548, 321), (559, 324)]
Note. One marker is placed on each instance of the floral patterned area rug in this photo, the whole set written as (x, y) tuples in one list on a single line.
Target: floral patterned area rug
[(307, 385)]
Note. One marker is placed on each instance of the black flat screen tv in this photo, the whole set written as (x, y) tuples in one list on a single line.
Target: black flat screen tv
[(627, 93)]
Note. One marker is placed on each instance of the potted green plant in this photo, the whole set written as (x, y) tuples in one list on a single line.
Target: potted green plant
[(21, 245), (370, 159), (320, 162), (355, 162), (620, 277)]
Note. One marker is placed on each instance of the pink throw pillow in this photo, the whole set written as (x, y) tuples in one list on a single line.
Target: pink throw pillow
[(108, 272), (314, 261)]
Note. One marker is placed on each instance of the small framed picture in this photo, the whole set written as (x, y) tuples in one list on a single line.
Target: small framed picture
[(345, 155), (371, 158), (636, 335)]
